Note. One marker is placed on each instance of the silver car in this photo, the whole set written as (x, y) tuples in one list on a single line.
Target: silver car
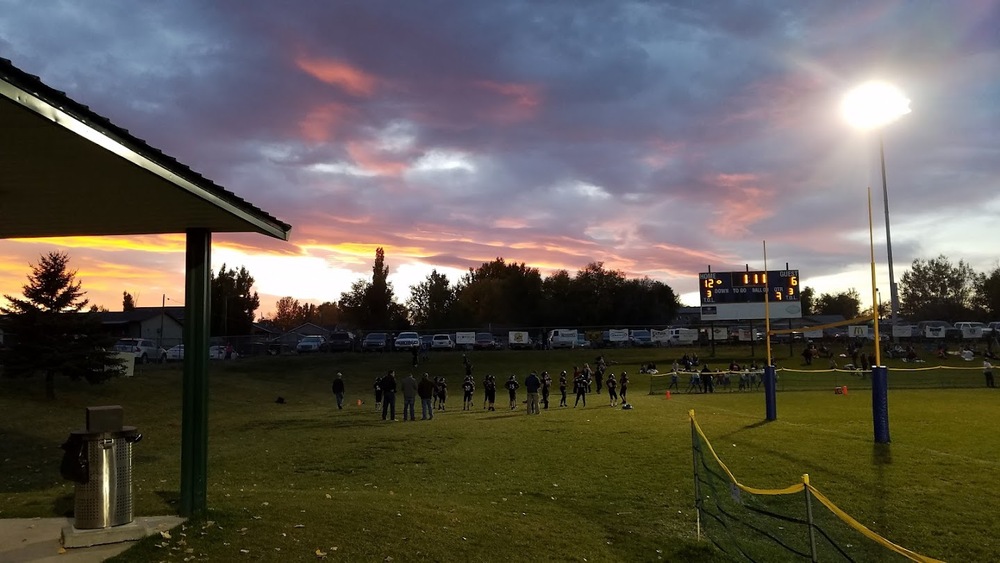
[(144, 350)]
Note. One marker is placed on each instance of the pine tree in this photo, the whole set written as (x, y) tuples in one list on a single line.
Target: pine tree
[(51, 334)]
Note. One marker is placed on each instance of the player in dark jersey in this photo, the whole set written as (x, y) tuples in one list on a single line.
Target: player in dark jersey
[(512, 385), (562, 389), (468, 386)]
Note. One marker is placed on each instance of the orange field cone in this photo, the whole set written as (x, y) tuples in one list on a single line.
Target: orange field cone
[(667, 396)]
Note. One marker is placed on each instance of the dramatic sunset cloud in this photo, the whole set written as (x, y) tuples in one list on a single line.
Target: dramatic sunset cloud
[(658, 138)]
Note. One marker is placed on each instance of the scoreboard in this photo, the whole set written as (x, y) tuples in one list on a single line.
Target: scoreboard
[(742, 295)]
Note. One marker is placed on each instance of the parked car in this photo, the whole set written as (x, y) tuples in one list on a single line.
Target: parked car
[(640, 338), (971, 326), (219, 353), (176, 353), (581, 340), (311, 343), (143, 349), (406, 341), (426, 341), (484, 341), (340, 341), (442, 342), (375, 342)]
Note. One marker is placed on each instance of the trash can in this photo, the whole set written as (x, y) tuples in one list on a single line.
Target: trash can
[(99, 460)]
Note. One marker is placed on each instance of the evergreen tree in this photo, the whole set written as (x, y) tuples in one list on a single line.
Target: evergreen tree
[(51, 333), (128, 302)]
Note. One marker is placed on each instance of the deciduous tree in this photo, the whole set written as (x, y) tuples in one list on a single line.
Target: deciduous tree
[(937, 289), (234, 303)]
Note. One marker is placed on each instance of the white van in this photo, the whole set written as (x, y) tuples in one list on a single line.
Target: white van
[(682, 336), (562, 338)]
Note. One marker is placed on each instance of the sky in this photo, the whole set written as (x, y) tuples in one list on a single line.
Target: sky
[(660, 138)]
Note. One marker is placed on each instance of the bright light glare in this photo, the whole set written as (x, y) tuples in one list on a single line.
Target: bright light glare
[(874, 104)]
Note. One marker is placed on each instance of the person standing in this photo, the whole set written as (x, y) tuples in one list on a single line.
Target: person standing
[(512, 385), (562, 389), (486, 392), (531, 386), (468, 387), (425, 389), (491, 392), (546, 385), (599, 375), (416, 355), (442, 392), (988, 373), (612, 386), (409, 397), (580, 386), (389, 396), (378, 393), (623, 387), (338, 390)]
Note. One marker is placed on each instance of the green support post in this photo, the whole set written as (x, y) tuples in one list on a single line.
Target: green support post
[(194, 423)]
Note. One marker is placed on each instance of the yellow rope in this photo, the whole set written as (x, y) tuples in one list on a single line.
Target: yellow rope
[(799, 487)]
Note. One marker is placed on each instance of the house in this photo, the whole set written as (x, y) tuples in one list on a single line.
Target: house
[(163, 325)]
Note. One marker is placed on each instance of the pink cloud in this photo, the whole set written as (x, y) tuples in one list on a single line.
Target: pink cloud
[(320, 124), (352, 80), (518, 101), (741, 204)]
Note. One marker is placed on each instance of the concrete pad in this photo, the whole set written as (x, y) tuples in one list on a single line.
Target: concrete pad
[(39, 540)]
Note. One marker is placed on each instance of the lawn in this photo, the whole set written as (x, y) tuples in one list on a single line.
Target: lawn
[(293, 481)]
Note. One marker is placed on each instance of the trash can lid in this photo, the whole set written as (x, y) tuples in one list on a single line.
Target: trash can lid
[(125, 432)]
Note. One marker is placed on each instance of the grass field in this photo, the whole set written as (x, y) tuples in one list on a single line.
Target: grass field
[(288, 481)]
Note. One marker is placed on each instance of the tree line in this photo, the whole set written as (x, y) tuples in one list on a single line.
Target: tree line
[(934, 289), (497, 293)]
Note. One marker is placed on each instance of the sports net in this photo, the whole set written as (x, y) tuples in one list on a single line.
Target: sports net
[(794, 523)]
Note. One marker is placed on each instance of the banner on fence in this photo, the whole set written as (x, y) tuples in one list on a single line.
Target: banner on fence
[(465, 338), (518, 337)]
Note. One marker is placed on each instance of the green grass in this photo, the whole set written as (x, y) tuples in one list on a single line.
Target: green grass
[(597, 483)]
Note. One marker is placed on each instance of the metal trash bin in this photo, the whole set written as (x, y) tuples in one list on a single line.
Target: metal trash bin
[(100, 462)]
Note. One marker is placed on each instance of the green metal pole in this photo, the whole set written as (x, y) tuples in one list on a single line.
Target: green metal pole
[(809, 518), (194, 424), (695, 450)]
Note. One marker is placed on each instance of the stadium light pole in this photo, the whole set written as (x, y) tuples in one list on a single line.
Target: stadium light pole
[(872, 106)]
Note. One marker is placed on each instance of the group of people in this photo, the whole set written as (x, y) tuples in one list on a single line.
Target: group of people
[(433, 392)]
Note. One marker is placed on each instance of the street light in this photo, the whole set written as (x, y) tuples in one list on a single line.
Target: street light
[(874, 105)]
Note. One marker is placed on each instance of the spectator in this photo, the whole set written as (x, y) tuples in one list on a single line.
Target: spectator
[(988, 373), (388, 385), (409, 397), (338, 390)]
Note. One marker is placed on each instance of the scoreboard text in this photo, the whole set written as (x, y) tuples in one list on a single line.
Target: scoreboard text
[(748, 287)]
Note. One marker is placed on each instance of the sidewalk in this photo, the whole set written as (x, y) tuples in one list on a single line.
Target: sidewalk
[(24, 540)]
